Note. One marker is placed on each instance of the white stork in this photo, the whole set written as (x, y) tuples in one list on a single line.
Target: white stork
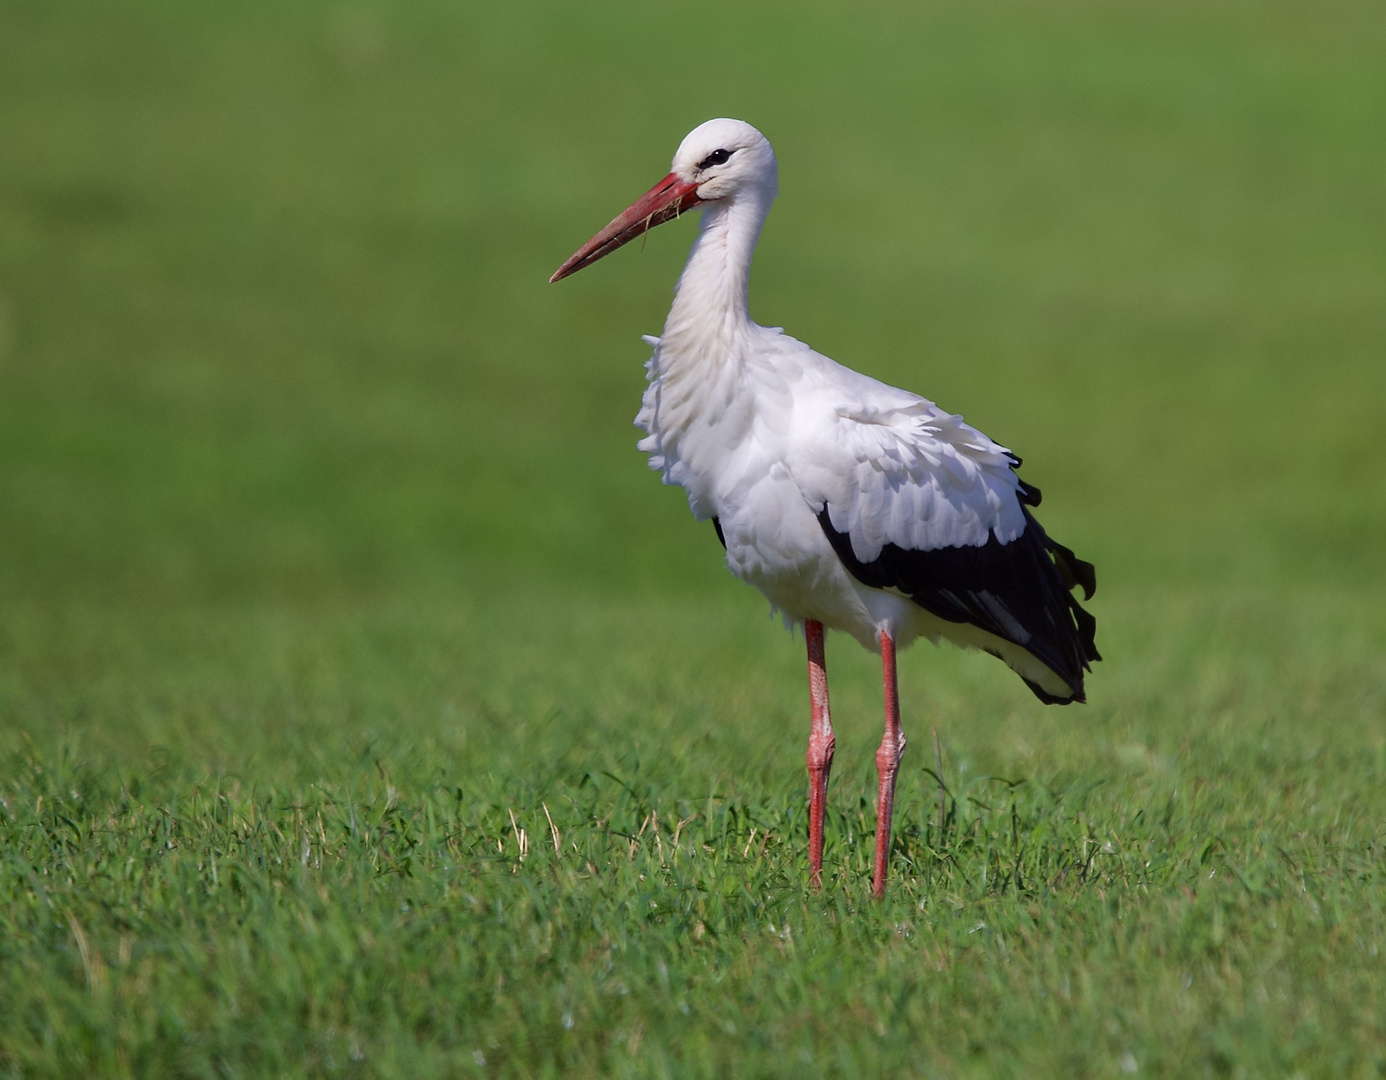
[(850, 504)]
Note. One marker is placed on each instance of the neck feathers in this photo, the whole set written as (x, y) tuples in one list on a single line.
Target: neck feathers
[(711, 302), (692, 409)]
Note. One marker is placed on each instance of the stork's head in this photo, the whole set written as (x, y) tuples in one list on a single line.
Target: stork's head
[(718, 160), (724, 157)]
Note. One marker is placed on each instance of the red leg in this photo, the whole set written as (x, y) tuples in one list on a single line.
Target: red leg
[(820, 748), (892, 749)]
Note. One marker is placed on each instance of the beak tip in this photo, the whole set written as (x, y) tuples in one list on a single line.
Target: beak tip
[(663, 202)]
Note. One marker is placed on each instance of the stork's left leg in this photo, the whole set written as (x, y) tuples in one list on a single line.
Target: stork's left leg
[(820, 747), (888, 756)]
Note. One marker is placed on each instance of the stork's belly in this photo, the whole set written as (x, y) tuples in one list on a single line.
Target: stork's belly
[(775, 543)]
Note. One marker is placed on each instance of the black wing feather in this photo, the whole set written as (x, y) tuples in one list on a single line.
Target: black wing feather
[(1020, 591)]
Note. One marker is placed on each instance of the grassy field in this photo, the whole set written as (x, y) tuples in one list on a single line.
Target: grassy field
[(368, 709)]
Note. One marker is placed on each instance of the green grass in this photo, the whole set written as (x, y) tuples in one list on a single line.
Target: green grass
[(328, 569)]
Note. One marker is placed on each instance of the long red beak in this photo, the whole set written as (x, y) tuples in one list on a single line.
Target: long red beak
[(665, 201)]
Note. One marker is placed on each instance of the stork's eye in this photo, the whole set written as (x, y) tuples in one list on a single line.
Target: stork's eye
[(717, 157)]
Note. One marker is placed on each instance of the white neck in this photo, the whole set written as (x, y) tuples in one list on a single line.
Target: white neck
[(691, 408), (711, 299)]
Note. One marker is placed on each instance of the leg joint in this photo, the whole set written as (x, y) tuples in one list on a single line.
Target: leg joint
[(820, 752), (888, 756)]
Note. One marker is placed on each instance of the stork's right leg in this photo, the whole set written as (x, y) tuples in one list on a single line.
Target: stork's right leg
[(887, 763), (820, 747)]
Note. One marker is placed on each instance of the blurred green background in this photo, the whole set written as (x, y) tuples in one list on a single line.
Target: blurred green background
[(276, 327), (303, 465)]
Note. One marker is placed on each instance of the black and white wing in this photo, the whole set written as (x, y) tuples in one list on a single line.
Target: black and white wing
[(916, 501)]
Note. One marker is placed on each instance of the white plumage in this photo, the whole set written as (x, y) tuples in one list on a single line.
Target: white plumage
[(847, 502), (889, 466)]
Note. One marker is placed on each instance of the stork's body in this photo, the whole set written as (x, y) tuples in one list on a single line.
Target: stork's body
[(850, 504)]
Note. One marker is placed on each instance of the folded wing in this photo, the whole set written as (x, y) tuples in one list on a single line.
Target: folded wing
[(915, 500)]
